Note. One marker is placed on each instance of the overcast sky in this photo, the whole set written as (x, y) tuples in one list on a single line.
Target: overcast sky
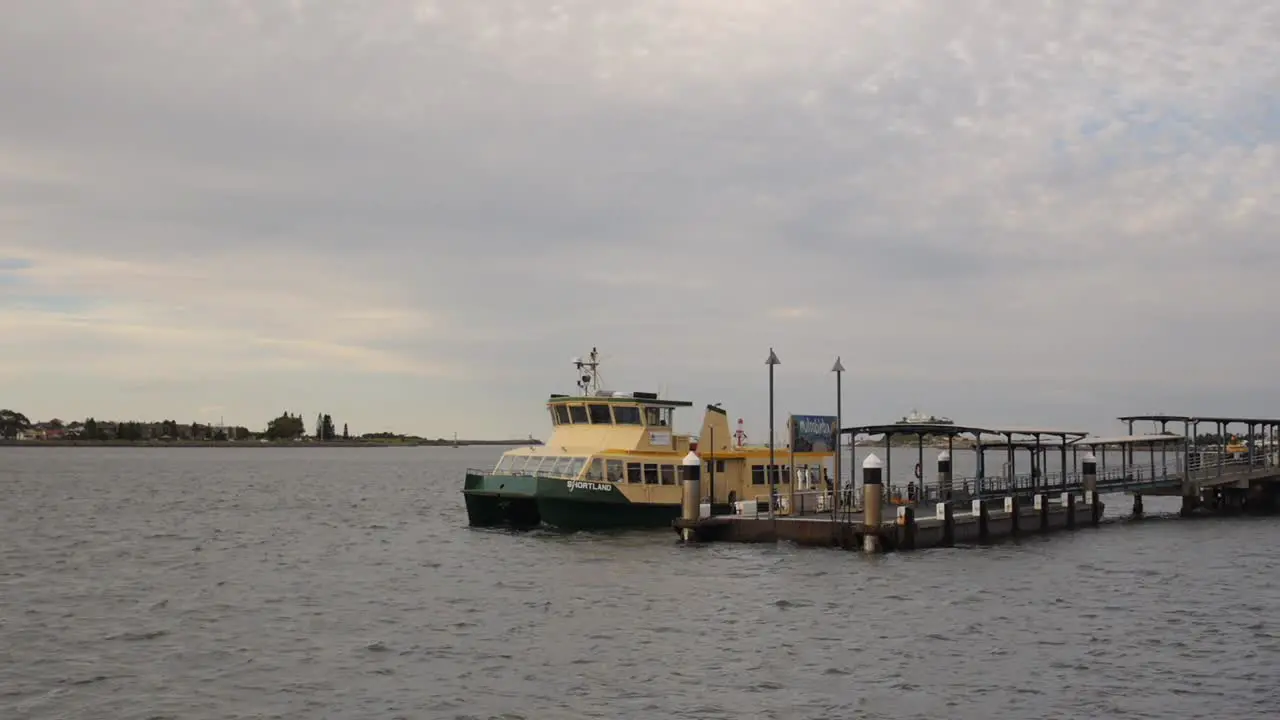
[(411, 215)]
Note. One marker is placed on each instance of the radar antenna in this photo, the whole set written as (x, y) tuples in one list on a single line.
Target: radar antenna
[(588, 373)]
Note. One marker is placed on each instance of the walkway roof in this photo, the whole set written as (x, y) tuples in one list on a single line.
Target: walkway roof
[(1001, 441), (1202, 419), (1153, 439), (908, 428)]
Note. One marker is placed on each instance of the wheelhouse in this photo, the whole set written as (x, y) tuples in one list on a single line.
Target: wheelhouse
[(626, 410)]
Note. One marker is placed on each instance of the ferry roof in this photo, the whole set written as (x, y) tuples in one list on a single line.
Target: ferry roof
[(616, 399)]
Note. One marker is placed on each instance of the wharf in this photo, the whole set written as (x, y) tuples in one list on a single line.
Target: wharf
[(983, 521), (981, 509)]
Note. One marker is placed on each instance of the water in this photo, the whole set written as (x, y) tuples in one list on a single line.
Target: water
[(309, 583)]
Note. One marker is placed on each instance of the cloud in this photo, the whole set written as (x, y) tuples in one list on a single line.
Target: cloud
[(1019, 202)]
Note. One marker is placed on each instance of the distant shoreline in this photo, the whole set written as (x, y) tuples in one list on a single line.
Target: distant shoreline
[(255, 444)]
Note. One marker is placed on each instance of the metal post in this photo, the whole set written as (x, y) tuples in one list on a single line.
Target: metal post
[(1222, 445), (1250, 439), (1126, 455), (771, 362), (838, 369), (1151, 452), (1064, 464), (1130, 448), (711, 468), (1036, 469), (919, 482), (1012, 475)]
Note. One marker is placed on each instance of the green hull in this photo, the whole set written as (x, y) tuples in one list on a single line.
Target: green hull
[(526, 502)]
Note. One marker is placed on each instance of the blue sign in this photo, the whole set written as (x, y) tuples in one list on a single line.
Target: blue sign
[(813, 433)]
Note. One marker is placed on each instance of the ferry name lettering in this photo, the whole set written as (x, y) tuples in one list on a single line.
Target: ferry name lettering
[(580, 485)]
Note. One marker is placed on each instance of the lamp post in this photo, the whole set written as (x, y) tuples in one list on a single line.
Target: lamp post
[(838, 369), (771, 362)]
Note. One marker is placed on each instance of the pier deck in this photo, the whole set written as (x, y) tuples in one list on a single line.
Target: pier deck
[(979, 509), (982, 521)]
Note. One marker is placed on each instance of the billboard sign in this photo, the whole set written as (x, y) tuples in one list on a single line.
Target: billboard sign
[(813, 433)]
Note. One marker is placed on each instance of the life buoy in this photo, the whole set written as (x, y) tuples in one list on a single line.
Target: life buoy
[(919, 471)]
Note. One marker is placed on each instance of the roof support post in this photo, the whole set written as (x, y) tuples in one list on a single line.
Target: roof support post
[(1064, 465)]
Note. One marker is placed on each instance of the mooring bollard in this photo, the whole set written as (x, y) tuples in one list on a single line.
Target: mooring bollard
[(691, 497), (907, 521), (944, 475), (1089, 472), (872, 497)]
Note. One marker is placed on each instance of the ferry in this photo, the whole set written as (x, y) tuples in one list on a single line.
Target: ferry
[(613, 461), (918, 418)]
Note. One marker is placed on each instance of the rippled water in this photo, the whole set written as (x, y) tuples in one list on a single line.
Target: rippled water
[(309, 583)]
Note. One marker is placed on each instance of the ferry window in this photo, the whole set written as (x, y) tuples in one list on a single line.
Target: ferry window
[(633, 473), (785, 473), (596, 474), (613, 470), (626, 415), (578, 414), (562, 466), (650, 473), (561, 414), (503, 464), (532, 466), (575, 466), (668, 474), (717, 464), (599, 414), (757, 475), (651, 416)]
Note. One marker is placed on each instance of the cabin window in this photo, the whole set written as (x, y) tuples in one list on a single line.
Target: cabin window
[(562, 466), (657, 416), (668, 474), (650, 473), (715, 465), (599, 414), (781, 475), (596, 474), (613, 470), (560, 414), (626, 415), (633, 473), (535, 461), (578, 414), (575, 467), (503, 464), (517, 463)]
